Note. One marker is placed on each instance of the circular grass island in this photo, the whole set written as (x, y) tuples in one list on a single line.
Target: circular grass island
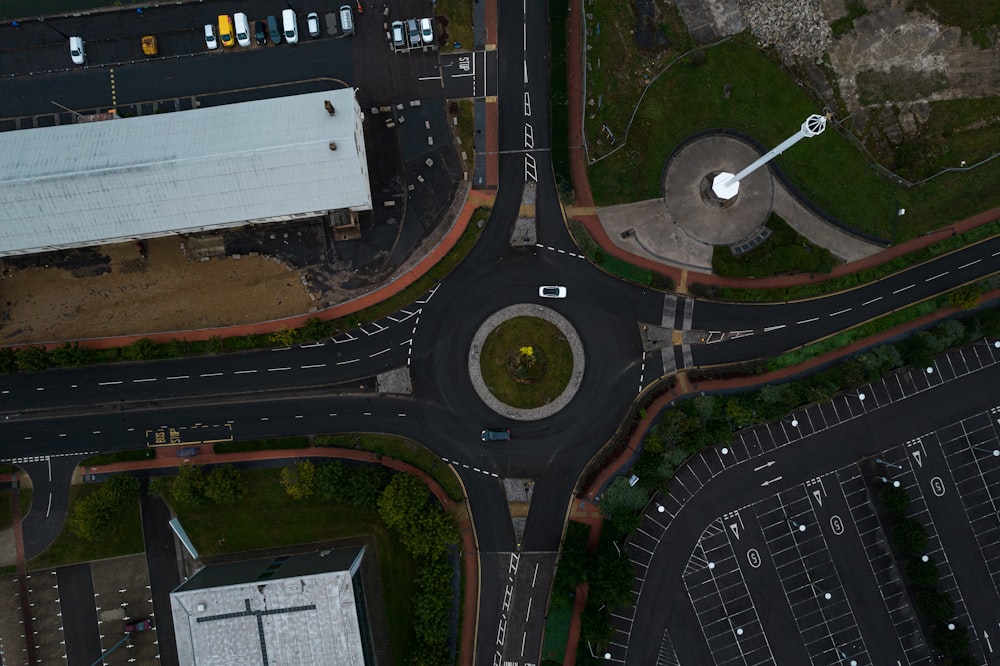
[(526, 362)]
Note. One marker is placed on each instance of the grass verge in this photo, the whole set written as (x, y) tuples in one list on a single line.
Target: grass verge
[(613, 264), (784, 252), (399, 448), (124, 538), (269, 518), (6, 515), (119, 456), (503, 349), (456, 25), (556, 634), (858, 279), (765, 102), (262, 445), (559, 100)]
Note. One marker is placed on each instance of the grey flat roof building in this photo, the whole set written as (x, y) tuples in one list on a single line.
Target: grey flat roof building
[(296, 609), (183, 172)]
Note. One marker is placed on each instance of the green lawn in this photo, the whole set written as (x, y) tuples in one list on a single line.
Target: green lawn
[(268, 518), (124, 539), (6, 515), (548, 344), (458, 14), (767, 104), (262, 445), (784, 252)]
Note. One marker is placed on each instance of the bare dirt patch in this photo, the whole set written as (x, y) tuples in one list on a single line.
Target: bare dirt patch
[(165, 292)]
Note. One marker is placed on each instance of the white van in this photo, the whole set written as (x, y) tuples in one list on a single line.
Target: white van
[(346, 19), (242, 29), (290, 24)]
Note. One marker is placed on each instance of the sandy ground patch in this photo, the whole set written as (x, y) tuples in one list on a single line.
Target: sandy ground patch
[(166, 292)]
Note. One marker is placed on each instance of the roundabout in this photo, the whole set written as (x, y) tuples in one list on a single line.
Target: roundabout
[(526, 378)]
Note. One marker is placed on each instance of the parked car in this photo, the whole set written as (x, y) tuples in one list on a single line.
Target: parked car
[(413, 31), (242, 29), (260, 32), (312, 22), (346, 19), (77, 51), (149, 45), (273, 30), (226, 30), (290, 25), (210, 41), (189, 452), (136, 626), (552, 292), (398, 34), (496, 435), (426, 31)]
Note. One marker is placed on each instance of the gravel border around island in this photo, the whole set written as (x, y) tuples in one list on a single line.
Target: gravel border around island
[(526, 310)]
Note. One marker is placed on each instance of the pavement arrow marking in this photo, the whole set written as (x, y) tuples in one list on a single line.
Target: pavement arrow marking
[(774, 480), (765, 465)]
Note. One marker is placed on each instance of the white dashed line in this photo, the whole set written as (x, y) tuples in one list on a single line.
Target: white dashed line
[(139, 381), (971, 263), (244, 372), (936, 276), (840, 312), (277, 369), (773, 328), (108, 383), (899, 291), (878, 298), (378, 353), (40, 388), (347, 362), (808, 321), (315, 365), (211, 374), (179, 377)]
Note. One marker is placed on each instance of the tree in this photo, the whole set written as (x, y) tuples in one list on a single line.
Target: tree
[(298, 480), (934, 606), (331, 481), (402, 502), (966, 298), (315, 329), (953, 642), (70, 354), (224, 485), (920, 349), (8, 360), (895, 500), (160, 485), (93, 515), (32, 359), (910, 536), (365, 485), (140, 350), (621, 499), (188, 486), (284, 337), (922, 574)]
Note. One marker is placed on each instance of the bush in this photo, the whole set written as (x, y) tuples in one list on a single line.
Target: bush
[(92, 516), (298, 480), (953, 642), (934, 606), (910, 537), (188, 487), (224, 485), (32, 359)]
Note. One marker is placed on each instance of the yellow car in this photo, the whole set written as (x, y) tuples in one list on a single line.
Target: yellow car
[(226, 30), (149, 46)]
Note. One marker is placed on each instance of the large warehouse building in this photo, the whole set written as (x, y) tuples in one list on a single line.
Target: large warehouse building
[(185, 172)]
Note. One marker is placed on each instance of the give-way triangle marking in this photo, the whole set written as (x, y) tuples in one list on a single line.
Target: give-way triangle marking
[(819, 497), (736, 529), (916, 456)]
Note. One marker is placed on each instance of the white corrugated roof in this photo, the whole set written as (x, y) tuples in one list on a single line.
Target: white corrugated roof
[(89, 183)]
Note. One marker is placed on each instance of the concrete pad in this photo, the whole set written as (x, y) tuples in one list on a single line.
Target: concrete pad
[(686, 187), (842, 245), (649, 233)]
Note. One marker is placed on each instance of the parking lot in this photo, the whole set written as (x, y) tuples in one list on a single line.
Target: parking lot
[(811, 558)]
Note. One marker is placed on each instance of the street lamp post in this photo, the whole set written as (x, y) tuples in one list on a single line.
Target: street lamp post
[(887, 463)]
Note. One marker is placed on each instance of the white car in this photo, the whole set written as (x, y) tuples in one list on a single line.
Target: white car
[(312, 22), (398, 34), (210, 41), (242, 29), (426, 31), (552, 292), (76, 50), (290, 24)]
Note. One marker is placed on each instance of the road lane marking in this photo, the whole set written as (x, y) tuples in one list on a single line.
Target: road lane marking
[(277, 369), (211, 374), (315, 365), (899, 291), (378, 353), (839, 312), (878, 298), (808, 321), (108, 383), (244, 372), (936, 276), (137, 381), (346, 362), (774, 328), (971, 263)]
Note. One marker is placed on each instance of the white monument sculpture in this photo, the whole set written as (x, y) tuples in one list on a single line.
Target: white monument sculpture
[(726, 186)]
